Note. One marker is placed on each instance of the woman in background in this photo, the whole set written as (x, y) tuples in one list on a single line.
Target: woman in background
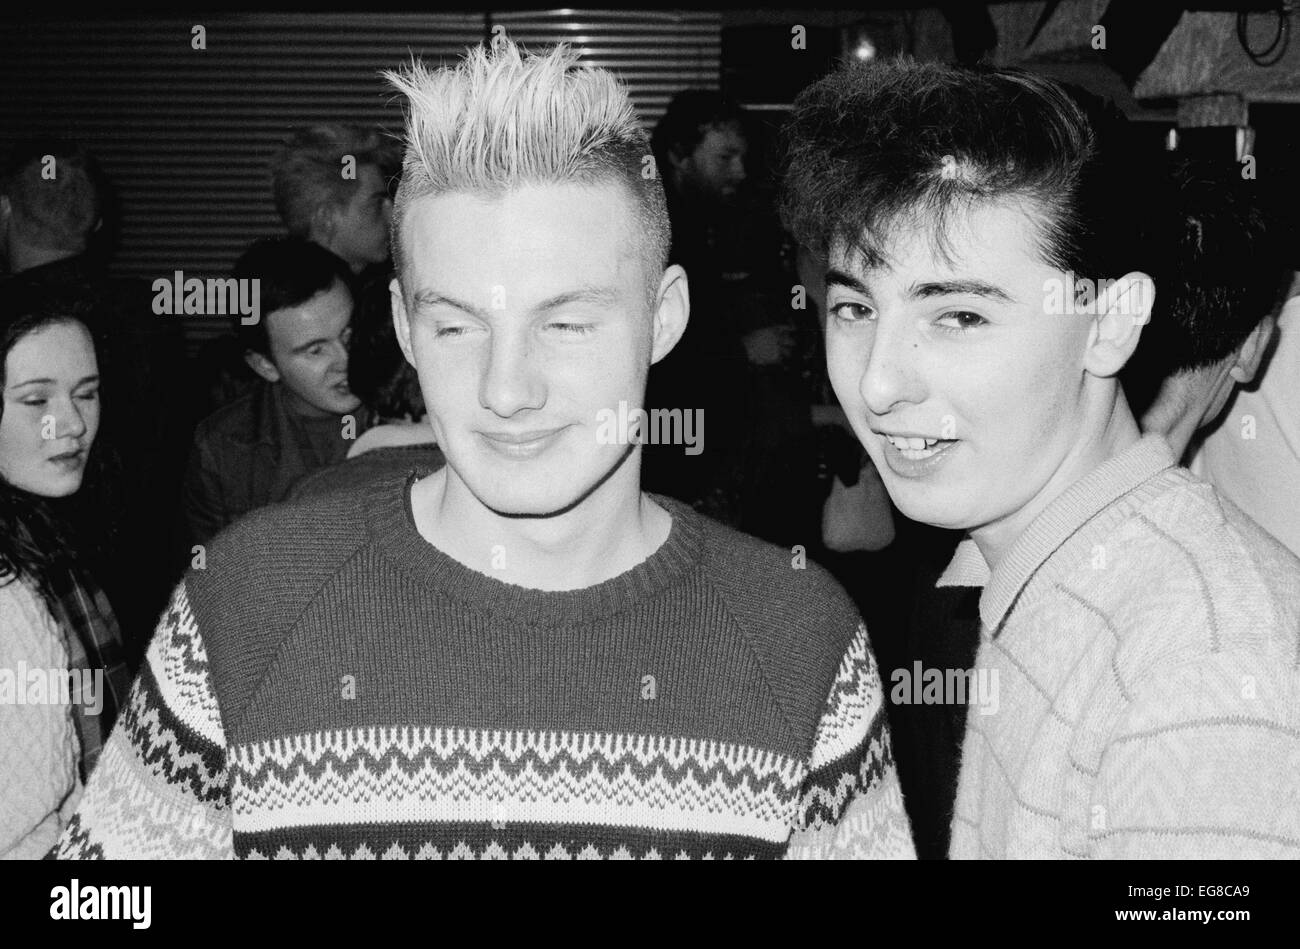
[(62, 678)]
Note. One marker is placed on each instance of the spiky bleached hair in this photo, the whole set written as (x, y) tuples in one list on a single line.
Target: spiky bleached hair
[(501, 119)]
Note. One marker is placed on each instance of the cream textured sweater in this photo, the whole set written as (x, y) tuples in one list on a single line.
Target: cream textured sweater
[(39, 783), (1145, 639)]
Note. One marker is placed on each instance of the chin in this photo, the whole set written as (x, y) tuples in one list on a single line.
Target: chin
[(62, 488), (540, 503)]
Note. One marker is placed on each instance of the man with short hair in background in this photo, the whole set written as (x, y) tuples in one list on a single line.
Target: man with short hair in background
[(301, 414)]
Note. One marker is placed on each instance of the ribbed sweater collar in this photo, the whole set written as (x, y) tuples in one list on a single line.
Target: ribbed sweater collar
[(392, 528), (1090, 499)]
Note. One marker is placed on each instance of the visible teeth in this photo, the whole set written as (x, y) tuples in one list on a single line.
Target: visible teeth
[(913, 447), (907, 442)]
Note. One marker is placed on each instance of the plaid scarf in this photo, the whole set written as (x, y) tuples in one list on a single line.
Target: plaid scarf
[(94, 644)]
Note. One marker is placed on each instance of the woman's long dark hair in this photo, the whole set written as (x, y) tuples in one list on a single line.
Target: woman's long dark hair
[(40, 536)]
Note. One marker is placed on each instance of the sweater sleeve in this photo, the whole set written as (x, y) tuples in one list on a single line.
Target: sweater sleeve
[(1202, 764), (38, 743), (160, 789), (851, 804)]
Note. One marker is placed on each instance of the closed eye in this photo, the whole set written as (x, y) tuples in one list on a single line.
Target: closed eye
[(578, 329)]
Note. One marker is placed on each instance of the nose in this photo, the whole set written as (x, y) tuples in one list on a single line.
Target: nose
[(69, 422), (388, 213), (738, 170), (890, 377), (338, 356), (509, 383)]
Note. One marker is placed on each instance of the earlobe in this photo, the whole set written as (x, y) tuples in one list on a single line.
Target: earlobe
[(1251, 354), (672, 312)]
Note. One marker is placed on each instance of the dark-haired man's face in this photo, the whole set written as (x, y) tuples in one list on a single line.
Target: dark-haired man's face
[(309, 353), (970, 398), (360, 234), (527, 319), (716, 168)]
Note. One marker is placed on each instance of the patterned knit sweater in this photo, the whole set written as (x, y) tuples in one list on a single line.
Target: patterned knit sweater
[(1143, 641), (332, 685)]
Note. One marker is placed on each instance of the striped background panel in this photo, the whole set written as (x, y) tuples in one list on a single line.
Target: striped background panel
[(185, 135)]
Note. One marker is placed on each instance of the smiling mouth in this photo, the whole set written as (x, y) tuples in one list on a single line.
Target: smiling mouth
[(916, 447), (521, 444)]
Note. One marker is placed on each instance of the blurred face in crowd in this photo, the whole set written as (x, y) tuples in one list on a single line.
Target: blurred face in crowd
[(525, 315), (309, 353), (976, 405), (716, 168), (360, 228), (51, 410)]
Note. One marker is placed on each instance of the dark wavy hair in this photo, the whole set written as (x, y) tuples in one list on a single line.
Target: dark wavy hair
[(40, 536), (874, 147)]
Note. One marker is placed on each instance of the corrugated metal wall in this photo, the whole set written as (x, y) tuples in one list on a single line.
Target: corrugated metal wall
[(185, 135)]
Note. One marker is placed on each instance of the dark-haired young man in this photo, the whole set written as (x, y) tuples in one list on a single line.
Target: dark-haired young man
[(1137, 682), (1215, 331), (296, 420)]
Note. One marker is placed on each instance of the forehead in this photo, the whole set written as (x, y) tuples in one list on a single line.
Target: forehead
[(59, 351), (548, 235), (722, 138), (324, 315), (995, 241)]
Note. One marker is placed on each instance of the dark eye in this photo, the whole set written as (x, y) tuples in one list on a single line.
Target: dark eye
[(852, 312), (961, 320)]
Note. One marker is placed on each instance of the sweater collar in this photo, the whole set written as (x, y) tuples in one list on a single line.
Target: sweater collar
[(1089, 499), (392, 528)]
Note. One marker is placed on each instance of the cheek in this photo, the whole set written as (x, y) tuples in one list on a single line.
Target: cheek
[(20, 443), (844, 365)]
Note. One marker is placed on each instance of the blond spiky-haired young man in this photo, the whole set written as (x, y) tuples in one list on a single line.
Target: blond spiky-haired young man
[(519, 654)]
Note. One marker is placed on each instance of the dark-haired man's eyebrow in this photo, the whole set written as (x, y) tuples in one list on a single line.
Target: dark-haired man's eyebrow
[(944, 288), (838, 278), (309, 344)]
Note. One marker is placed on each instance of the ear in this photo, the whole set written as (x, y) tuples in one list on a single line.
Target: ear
[(1123, 308), (672, 312), (261, 365), (1251, 354), (401, 320), (677, 159)]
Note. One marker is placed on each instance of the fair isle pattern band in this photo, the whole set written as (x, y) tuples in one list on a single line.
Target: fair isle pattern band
[(852, 802), (428, 775), (854, 704), (159, 789)]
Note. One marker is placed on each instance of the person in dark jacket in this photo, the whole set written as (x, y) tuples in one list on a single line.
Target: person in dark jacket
[(302, 415)]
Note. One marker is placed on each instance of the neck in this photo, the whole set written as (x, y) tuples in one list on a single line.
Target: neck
[(26, 257), (1184, 404), (609, 532), (297, 406), (354, 266), (1117, 431)]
